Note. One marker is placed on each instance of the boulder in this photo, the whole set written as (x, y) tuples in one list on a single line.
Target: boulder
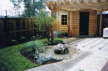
[(61, 49)]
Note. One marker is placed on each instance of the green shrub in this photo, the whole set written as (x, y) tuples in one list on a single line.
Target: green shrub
[(36, 44), (55, 42)]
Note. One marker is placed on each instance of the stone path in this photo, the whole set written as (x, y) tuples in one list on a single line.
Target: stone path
[(92, 57)]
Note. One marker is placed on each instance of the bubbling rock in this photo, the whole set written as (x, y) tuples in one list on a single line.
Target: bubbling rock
[(61, 49)]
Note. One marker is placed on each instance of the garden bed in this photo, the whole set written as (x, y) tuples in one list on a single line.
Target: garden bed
[(28, 51), (49, 52)]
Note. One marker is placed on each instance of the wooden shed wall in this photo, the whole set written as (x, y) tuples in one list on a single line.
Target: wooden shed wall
[(57, 23), (58, 27), (63, 28), (74, 23), (92, 23)]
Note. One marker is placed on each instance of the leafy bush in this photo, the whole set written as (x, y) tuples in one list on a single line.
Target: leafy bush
[(55, 42), (44, 24), (35, 44)]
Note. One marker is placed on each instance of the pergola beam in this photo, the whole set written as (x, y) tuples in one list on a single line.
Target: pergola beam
[(72, 5)]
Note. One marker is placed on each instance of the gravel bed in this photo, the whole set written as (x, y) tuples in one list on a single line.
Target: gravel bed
[(49, 51)]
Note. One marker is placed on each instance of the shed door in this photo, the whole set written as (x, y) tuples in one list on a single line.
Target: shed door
[(84, 23)]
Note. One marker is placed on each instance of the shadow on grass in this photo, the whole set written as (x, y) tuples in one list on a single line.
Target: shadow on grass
[(8, 43), (3, 67), (28, 53)]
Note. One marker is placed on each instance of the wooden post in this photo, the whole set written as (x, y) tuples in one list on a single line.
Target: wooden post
[(100, 29), (15, 31), (6, 14), (69, 23), (96, 25)]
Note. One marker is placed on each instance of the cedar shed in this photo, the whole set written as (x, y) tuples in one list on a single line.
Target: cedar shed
[(78, 17)]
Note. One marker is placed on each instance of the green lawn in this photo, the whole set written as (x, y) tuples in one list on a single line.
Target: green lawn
[(12, 60)]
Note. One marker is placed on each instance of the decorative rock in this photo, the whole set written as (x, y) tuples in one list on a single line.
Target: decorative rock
[(61, 49), (40, 60), (44, 60)]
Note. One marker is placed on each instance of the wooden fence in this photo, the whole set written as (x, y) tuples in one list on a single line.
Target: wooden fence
[(16, 28)]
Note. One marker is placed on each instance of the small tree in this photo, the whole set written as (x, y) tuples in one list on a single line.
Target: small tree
[(31, 7), (44, 23)]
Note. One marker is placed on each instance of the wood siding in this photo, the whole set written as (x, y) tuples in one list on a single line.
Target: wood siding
[(58, 27), (74, 24), (63, 28), (92, 23)]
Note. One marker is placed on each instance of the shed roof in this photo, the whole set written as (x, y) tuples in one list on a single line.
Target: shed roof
[(75, 5)]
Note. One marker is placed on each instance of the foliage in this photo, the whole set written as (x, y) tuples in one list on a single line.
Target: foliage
[(35, 44), (43, 42), (43, 21), (17, 3), (32, 7), (38, 44), (55, 42), (12, 60), (37, 47), (44, 24)]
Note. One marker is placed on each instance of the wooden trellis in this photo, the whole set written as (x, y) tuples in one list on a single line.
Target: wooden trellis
[(74, 5)]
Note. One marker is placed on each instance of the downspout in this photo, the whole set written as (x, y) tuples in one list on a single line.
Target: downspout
[(69, 23), (100, 24)]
